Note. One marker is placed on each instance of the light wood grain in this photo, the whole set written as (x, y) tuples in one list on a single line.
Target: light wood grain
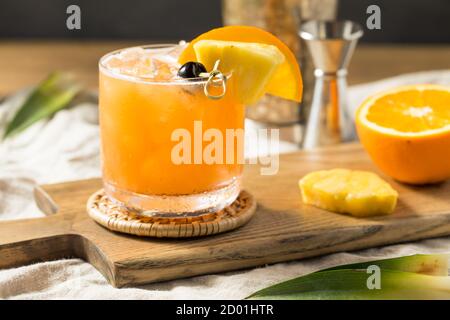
[(24, 63), (282, 229)]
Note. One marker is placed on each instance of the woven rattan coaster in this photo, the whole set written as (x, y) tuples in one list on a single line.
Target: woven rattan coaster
[(117, 218)]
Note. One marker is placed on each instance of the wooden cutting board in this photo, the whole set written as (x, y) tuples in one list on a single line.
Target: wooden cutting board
[(282, 229)]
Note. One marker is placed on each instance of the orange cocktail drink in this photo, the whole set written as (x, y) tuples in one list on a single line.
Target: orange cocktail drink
[(172, 117), (144, 107)]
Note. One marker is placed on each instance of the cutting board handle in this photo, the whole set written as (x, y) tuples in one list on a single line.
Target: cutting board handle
[(32, 240)]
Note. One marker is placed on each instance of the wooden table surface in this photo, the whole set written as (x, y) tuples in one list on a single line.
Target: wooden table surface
[(23, 63)]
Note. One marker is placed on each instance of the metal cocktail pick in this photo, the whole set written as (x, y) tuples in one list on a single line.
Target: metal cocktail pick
[(331, 44)]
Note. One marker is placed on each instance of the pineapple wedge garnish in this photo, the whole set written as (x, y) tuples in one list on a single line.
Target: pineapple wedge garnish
[(359, 193), (251, 65)]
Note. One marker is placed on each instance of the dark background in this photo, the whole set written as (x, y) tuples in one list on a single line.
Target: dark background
[(410, 21)]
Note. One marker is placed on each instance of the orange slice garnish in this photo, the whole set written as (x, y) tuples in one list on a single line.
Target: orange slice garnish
[(286, 82)]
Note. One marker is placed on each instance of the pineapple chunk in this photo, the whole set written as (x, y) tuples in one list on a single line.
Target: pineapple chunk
[(252, 65), (359, 193)]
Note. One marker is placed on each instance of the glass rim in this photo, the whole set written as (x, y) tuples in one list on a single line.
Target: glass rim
[(135, 78)]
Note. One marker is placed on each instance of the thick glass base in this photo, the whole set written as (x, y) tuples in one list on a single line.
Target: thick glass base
[(175, 206)]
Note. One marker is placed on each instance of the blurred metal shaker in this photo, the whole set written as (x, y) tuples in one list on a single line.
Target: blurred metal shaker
[(331, 45)]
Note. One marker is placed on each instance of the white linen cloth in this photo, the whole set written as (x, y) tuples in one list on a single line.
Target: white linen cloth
[(66, 147)]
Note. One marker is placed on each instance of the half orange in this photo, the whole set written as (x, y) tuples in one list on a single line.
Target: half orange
[(406, 131), (286, 81)]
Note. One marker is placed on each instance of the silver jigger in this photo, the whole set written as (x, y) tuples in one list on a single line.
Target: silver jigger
[(331, 44)]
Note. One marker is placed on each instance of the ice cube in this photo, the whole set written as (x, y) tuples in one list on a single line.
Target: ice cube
[(175, 52), (132, 54), (161, 64), (113, 62), (165, 69)]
